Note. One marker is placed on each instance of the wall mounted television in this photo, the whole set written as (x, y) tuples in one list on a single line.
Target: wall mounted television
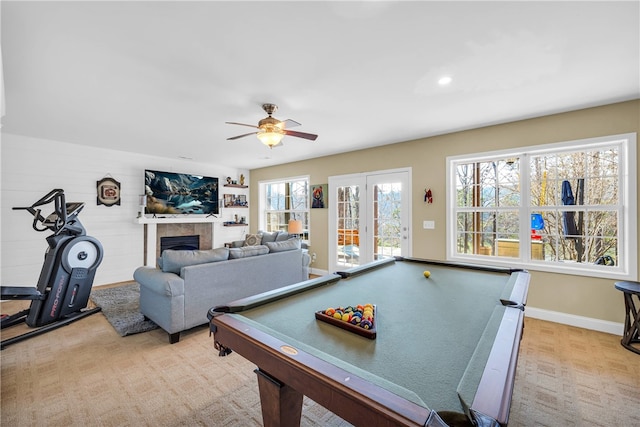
[(171, 193)]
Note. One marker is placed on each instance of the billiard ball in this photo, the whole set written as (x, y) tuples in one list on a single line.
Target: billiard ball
[(427, 273), (329, 311), (366, 324)]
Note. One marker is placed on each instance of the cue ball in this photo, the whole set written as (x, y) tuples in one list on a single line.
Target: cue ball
[(427, 273)]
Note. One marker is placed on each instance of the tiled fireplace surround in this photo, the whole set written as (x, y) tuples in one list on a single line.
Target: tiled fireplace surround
[(204, 230)]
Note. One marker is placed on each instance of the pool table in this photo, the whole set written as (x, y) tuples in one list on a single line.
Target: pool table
[(444, 353)]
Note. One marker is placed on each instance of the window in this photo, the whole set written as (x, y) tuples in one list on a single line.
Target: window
[(283, 200), (568, 207)]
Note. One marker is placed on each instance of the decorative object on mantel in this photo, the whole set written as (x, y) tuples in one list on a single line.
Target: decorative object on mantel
[(271, 130), (108, 191), (319, 196), (143, 204), (428, 197)]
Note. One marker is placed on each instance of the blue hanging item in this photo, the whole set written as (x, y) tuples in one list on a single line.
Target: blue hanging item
[(568, 218), (537, 222)]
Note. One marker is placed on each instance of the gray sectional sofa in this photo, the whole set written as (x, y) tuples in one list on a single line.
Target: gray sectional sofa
[(178, 294)]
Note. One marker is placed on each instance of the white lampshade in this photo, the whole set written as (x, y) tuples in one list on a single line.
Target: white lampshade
[(295, 226)]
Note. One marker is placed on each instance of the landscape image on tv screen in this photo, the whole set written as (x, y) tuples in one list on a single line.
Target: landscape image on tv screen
[(178, 193)]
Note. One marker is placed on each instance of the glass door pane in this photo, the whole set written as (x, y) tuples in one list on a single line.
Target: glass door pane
[(348, 226), (387, 223), (389, 209)]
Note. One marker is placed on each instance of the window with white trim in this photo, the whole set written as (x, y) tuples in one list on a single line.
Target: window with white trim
[(283, 200), (568, 207)]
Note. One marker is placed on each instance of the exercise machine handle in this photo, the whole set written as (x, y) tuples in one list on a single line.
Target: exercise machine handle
[(57, 219)]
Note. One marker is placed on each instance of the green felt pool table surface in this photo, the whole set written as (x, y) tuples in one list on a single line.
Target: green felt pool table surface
[(435, 336)]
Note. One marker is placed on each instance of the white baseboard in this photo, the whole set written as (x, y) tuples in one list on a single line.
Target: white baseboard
[(573, 320)]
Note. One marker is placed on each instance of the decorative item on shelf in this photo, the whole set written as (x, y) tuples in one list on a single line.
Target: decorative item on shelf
[(428, 197), (228, 180), (241, 179), (108, 191), (295, 227), (235, 201), (319, 196)]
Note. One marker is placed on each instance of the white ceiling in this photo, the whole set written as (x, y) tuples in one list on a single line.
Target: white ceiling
[(163, 77)]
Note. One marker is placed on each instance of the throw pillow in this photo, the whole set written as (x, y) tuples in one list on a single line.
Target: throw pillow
[(173, 261), (287, 245), (268, 237), (247, 251), (253, 239)]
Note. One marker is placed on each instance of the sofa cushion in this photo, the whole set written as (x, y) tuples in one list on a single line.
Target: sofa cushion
[(253, 240), (287, 245), (283, 235), (247, 251), (173, 261), (268, 237)]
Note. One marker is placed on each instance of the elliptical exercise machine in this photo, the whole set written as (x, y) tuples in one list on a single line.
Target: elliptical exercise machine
[(67, 274)]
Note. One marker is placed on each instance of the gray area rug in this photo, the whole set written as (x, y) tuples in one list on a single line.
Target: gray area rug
[(121, 307)]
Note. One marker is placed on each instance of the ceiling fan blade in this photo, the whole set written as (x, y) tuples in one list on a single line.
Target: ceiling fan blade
[(290, 123), (242, 124), (310, 136), (241, 136)]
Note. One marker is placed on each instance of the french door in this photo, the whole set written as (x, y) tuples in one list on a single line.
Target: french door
[(369, 217)]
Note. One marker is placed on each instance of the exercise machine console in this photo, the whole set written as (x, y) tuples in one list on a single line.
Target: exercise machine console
[(66, 278)]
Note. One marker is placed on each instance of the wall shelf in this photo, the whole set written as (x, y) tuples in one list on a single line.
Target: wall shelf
[(236, 225), (236, 185)]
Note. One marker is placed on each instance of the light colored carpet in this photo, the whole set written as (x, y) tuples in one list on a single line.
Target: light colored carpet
[(85, 374)]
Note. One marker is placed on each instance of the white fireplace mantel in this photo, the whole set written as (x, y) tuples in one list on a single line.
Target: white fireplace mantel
[(176, 219)]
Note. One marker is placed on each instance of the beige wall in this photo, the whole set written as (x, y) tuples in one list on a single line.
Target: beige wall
[(577, 295)]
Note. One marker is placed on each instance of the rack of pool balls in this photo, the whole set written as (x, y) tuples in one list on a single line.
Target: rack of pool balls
[(359, 319)]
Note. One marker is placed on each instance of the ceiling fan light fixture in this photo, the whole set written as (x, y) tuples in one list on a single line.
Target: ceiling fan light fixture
[(270, 138)]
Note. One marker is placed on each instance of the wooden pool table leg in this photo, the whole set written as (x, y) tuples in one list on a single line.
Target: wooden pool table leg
[(281, 404)]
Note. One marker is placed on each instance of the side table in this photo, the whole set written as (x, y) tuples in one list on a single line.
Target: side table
[(631, 334)]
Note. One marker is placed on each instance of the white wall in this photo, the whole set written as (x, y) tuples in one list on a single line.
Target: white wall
[(32, 167)]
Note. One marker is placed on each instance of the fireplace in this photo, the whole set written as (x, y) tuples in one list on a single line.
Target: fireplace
[(155, 233), (180, 243)]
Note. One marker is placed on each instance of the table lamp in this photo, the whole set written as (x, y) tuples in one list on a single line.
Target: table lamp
[(295, 227)]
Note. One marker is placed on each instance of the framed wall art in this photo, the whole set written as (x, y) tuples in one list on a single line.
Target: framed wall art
[(108, 192), (319, 196)]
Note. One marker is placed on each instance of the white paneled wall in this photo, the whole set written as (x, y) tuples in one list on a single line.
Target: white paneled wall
[(32, 167)]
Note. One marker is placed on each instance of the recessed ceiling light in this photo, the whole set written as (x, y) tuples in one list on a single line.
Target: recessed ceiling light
[(444, 80)]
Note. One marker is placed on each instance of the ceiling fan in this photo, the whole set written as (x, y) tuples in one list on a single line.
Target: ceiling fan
[(271, 130)]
